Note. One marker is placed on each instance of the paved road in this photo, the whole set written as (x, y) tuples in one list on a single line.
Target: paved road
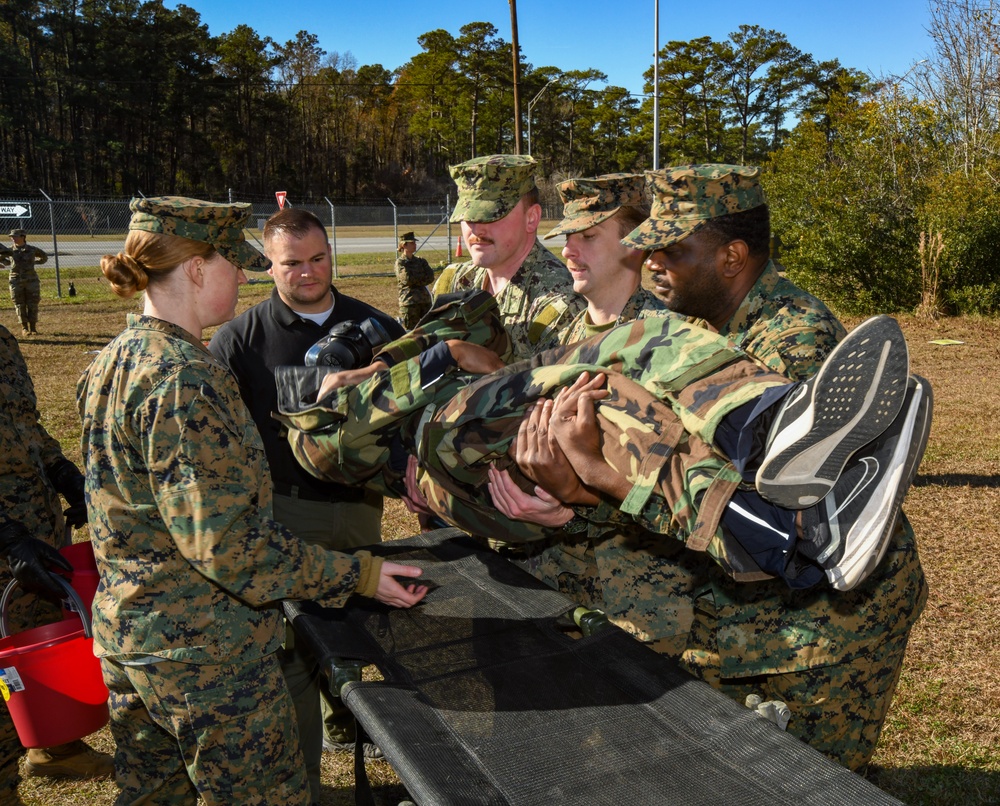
[(87, 252)]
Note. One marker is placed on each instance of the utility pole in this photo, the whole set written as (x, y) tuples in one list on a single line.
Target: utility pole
[(517, 76)]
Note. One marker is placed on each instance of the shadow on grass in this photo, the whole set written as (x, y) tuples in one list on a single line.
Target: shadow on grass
[(939, 785), (957, 480), (384, 795)]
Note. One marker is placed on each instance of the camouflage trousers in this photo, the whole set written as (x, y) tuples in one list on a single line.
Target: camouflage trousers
[(414, 303), (25, 295), (671, 384), (838, 708), (222, 732)]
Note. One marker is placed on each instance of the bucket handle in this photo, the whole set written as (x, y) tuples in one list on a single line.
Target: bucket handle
[(71, 593)]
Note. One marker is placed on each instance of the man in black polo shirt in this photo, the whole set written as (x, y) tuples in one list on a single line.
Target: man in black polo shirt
[(303, 307)]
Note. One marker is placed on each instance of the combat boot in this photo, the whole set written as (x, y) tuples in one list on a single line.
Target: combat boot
[(71, 760)]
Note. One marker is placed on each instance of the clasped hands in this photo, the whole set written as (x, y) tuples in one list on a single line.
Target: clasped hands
[(558, 446)]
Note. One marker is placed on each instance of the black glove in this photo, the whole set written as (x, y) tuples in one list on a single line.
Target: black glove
[(68, 481), (29, 557)]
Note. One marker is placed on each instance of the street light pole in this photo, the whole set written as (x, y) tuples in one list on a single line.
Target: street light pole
[(531, 105), (517, 78), (656, 85)]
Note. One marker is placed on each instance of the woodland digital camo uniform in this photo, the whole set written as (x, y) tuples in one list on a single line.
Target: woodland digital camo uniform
[(539, 299), (834, 657), (26, 495), (682, 382), (25, 287), (191, 563), (413, 275), (569, 561)]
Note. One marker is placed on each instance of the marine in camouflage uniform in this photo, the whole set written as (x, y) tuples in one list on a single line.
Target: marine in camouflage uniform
[(413, 275), (33, 472), (568, 563), (25, 288), (191, 563), (537, 299), (587, 203), (833, 657)]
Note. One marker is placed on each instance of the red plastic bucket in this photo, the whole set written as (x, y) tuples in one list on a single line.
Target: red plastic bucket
[(85, 577), (54, 689)]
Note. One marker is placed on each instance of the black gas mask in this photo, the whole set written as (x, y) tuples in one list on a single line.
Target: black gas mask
[(348, 345)]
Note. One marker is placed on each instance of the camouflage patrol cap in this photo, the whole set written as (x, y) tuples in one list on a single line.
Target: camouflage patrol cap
[(686, 197), (406, 237), (220, 225), (490, 187), (588, 202), (18, 233)]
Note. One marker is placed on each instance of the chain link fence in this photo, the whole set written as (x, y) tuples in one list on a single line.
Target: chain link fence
[(77, 233)]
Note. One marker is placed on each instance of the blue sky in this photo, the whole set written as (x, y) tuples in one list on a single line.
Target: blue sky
[(881, 37)]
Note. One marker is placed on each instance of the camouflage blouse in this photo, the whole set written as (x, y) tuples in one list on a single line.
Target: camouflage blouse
[(179, 498), (765, 627)]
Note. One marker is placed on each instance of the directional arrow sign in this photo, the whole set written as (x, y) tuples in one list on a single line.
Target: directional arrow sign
[(15, 211)]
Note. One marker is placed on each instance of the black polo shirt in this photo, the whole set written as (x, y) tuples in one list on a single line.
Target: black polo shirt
[(269, 335)]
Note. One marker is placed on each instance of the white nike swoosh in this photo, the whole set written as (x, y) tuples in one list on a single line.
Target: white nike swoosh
[(871, 473)]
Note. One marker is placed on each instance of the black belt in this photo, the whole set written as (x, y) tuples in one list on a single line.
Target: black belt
[(329, 496)]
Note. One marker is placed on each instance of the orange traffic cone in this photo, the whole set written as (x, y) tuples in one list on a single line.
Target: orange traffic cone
[(458, 249)]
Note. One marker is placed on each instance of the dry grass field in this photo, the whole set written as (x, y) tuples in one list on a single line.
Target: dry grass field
[(941, 743)]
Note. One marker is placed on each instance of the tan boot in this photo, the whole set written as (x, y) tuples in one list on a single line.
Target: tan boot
[(71, 760)]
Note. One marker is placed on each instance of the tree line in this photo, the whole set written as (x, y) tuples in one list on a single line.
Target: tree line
[(114, 96), (884, 191)]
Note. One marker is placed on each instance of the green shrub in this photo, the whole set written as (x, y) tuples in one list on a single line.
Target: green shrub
[(975, 300)]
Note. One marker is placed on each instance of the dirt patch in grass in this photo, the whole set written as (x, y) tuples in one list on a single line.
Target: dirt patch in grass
[(941, 743)]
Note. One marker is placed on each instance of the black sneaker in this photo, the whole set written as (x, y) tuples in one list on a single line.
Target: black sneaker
[(853, 398), (848, 532)]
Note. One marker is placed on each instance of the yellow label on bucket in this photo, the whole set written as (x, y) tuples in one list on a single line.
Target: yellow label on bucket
[(4, 690)]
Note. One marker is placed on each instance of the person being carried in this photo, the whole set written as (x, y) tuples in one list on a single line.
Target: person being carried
[(413, 275), (675, 394)]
